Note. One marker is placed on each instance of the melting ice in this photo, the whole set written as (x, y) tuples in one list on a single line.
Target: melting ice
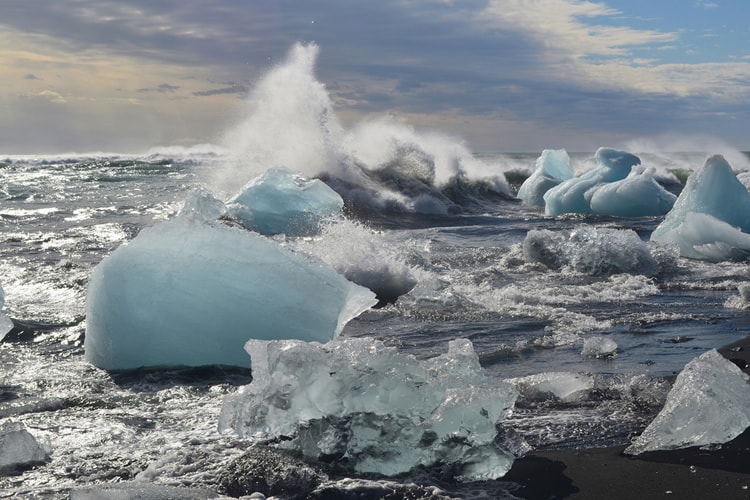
[(363, 403), (6, 324), (708, 404), (190, 292), (711, 218), (617, 186), (283, 202)]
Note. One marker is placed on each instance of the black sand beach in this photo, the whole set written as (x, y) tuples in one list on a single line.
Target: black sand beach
[(607, 473)]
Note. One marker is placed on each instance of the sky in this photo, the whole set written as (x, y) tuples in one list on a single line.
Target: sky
[(503, 75)]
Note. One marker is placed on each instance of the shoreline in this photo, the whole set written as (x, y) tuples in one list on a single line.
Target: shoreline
[(607, 473)]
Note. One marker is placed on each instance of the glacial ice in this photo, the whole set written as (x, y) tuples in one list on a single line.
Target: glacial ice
[(189, 292), (551, 168), (283, 202), (598, 346), (616, 187), (708, 404), (6, 324), (591, 250), (563, 386), (703, 224), (18, 448), (378, 410)]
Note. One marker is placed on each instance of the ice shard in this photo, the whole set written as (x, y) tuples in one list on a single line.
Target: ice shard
[(708, 404), (6, 324)]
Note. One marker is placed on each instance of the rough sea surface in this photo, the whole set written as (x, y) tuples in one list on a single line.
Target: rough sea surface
[(591, 342)]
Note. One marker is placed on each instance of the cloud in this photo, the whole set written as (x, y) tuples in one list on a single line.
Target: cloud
[(47, 96), (162, 88), (31, 76), (232, 89)]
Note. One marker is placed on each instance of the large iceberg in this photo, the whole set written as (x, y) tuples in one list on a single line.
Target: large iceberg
[(6, 324), (191, 292), (711, 218), (552, 168), (365, 405), (708, 404), (614, 187), (283, 202)]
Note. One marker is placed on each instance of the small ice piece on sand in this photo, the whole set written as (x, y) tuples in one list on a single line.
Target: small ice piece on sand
[(18, 448), (283, 202), (709, 404)]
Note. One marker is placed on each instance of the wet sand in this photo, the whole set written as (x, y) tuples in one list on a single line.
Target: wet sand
[(609, 474)]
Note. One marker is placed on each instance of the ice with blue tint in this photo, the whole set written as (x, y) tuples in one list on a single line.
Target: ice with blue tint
[(284, 202), (616, 187), (552, 168), (186, 292), (709, 404), (711, 218), (379, 410), (637, 195), (6, 324)]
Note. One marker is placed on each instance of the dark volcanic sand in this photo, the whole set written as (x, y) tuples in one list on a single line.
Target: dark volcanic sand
[(608, 474)]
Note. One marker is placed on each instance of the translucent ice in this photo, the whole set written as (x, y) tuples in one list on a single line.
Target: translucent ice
[(637, 195), (564, 386), (189, 292), (615, 187), (711, 218), (591, 250), (380, 411), (281, 201), (598, 346), (18, 448), (552, 168), (6, 324), (708, 404), (571, 195)]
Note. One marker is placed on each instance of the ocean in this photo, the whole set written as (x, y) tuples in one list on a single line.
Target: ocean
[(590, 334), (61, 215)]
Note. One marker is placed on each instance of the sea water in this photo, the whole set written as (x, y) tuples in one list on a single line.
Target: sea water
[(590, 345), (62, 215)]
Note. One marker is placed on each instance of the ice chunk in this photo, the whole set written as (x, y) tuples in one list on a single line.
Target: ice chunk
[(711, 218), (573, 195), (281, 201), (617, 186), (189, 292), (202, 204), (591, 250), (18, 448), (383, 411), (6, 324), (708, 404), (552, 168), (564, 386), (599, 347), (637, 195)]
